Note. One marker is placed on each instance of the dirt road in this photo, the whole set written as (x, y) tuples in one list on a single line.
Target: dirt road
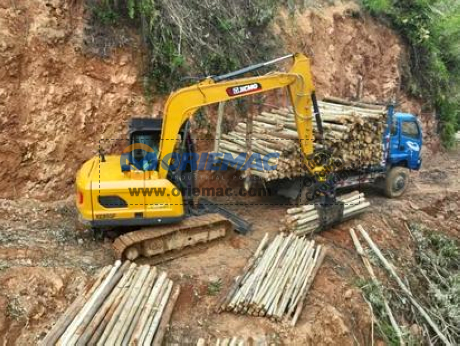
[(46, 258)]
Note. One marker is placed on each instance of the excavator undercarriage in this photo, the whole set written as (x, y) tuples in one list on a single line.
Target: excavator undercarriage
[(149, 242), (206, 222)]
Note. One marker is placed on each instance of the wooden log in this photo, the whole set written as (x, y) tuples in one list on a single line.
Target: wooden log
[(99, 302), (267, 272), (153, 312), (147, 309), (158, 339), (156, 320), (288, 270), (270, 300), (351, 142), (309, 282), (139, 303), (249, 264), (110, 328), (102, 311), (69, 315), (370, 270), (104, 325), (301, 283), (266, 286), (252, 285), (352, 103), (122, 324), (67, 337), (298, 266)]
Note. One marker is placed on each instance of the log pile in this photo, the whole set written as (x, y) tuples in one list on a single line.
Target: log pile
[(305, 219), (352, 134), (127, 304), (276, 279)]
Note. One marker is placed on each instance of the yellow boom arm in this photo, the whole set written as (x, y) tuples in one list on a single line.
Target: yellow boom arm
[(182, 104)]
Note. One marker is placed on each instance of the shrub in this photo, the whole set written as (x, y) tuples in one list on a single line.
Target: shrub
[(432, 31)]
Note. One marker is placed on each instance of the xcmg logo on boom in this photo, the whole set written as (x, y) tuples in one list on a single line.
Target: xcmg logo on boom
[(148, 161)]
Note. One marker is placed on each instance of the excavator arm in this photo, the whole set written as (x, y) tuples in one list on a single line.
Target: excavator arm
[(182, 104)]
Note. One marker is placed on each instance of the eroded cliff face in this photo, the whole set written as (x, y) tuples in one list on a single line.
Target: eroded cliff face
[(353, 56), (57, 102)]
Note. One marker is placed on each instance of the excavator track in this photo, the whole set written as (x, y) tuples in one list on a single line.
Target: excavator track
[(153, 241)]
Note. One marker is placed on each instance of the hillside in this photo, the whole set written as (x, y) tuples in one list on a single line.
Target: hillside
[(70, 79), (60, 100)]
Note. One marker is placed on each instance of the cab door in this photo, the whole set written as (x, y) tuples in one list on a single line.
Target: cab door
[(406, 143), (411, 142)]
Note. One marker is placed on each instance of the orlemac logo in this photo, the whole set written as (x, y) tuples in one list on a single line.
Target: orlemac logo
[(243, 89), (139, 156)]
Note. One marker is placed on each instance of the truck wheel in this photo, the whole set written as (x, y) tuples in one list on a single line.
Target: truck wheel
[(396, 182)]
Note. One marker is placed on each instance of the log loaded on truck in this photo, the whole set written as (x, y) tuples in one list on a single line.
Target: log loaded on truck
[(159, 223), (399, 143), (402, 142)]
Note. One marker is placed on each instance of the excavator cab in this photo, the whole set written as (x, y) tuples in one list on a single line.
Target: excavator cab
[(144, 141)]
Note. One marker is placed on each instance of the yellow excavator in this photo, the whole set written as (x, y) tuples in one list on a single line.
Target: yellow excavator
[(159, 222)]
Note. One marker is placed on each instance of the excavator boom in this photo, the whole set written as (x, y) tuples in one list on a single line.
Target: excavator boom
[(183, 103)]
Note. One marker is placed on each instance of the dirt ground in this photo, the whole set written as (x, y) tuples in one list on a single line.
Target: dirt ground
[(46, 258)]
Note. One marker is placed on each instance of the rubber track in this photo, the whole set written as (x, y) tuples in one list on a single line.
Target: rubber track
[(208, 221)]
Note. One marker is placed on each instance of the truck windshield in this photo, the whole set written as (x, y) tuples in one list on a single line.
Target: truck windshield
[(410, 129)]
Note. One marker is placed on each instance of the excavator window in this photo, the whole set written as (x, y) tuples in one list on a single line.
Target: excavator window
[(148, 154)]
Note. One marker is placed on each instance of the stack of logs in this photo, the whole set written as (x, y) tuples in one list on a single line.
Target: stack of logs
[(276, 279), (127, 304), (352, 134), (306, 219)]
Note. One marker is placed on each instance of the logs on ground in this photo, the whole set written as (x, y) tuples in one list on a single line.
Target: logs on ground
[(276, 279), (127, 304)]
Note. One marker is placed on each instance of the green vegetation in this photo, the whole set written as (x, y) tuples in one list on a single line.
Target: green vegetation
[(196, 37), (432, 30), (14, 309), (374, 295), (104, 13), (434, 280), (439, 271), (214, 287)]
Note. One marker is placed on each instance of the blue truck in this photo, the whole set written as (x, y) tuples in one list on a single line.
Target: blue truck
[(402, 142)]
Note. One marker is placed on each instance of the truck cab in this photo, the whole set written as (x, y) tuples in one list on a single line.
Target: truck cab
[(405, 141), (403, 144)]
